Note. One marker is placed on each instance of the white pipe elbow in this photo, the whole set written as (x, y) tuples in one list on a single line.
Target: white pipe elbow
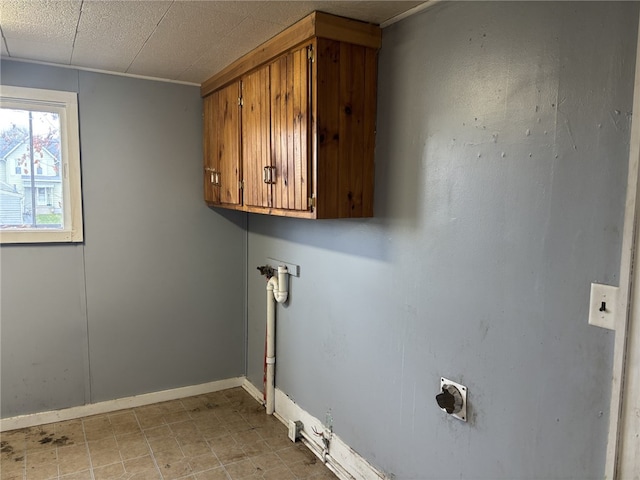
[(279, 285)]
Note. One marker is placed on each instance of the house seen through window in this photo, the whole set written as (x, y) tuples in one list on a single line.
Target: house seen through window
[(40, 198)]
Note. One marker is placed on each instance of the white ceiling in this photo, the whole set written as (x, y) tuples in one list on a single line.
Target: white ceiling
[(175, 40)]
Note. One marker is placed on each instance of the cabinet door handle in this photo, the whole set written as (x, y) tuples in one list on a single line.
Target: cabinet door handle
[(267, 175), (215, 176)]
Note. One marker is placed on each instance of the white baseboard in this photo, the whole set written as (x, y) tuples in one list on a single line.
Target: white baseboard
[(43, 418), (346, 463), (253, 391)]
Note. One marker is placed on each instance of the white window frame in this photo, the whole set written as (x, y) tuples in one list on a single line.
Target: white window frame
[(65, 104)]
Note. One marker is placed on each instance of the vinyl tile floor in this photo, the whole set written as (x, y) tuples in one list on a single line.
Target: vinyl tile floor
[(218, 436)]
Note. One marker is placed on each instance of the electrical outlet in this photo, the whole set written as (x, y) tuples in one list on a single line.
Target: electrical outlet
[(602, 306)]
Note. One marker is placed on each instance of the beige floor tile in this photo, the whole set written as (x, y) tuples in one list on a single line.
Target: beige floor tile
[(256, 448), (149, 420), (164, 444), (84, 475), (168, 458), (74, 466), (267, 461), (140, 464), (296, 454), (175, 417), (210, 433), (219, 436), (132, 446), (201, 463), (11, 468), (192, 448), (185, 429), (104, 452), (72, 452), (307, 469), (241, 469), (109, 472), (124, 423), (213, 474), (96, 435), (42, 456), (280, 473), (222, 441), (146, 475), (230, 454), (175, 469), (42, 471), (248, 436), (170, 406), (70, 432), (158, 432)]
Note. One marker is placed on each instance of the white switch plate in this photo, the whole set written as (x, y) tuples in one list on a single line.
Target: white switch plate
[(603, 296)]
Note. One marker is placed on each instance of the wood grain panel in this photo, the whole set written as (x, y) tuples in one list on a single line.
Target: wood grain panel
[(228, 148), (289, 103), (328, 126), (316, 24), (256, 140), (209, 131)]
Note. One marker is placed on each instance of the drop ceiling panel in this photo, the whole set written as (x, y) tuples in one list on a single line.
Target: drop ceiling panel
[(186, 32), (125, 25), (171, 39), (39, 21), (42, 51)]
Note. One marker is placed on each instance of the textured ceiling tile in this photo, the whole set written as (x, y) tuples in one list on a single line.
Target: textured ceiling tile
[(126, 26), (255, 29), (213, 61), (181, 39), (284, 13), (42, 51), (368, 11), (183, 35), (40, 21)]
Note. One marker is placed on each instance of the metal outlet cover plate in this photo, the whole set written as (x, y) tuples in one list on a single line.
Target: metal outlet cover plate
[(462, 414)]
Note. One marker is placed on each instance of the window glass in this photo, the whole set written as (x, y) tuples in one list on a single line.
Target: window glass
[(40, 198)]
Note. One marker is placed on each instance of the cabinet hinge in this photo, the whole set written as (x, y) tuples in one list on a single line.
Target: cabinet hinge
[(240, 101), (312, 202), (240, 184), (310, 54)]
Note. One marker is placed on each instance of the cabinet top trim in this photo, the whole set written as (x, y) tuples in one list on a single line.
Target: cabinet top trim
[(316, 24)]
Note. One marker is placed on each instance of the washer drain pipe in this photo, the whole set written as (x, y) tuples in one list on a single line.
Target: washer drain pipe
[(277, 291)]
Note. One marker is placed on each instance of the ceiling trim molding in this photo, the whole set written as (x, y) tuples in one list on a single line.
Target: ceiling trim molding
[(97, 70), (408, 13)]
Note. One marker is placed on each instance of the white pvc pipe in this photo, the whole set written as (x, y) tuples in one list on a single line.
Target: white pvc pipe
[(277, 291)]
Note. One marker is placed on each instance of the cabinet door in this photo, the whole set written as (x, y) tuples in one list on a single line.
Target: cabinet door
[(222, 146), (256, 156), (290, 91)]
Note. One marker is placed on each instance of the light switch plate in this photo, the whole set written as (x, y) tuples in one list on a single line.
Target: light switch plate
[(602, 306)]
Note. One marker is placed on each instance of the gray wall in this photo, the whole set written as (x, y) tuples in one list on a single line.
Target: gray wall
[(153, 299), (501, 163)]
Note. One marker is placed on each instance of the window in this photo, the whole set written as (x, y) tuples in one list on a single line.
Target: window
[(42, 200)]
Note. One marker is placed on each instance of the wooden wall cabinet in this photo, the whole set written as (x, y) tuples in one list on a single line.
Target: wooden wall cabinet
[(289, 129)]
